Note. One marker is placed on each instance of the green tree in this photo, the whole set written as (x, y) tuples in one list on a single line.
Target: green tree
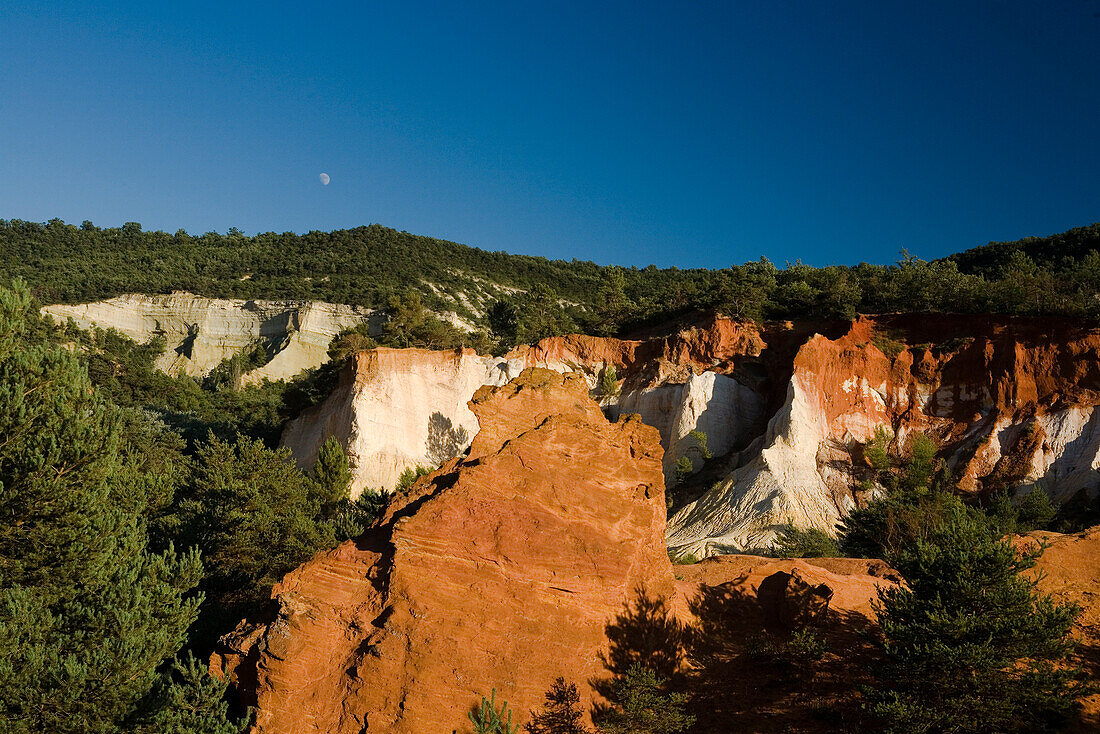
[(189, 701), (487, 719), (561, 714), (87, 613), (332, 472), (915, 499), (503, 318), (255, 515), (792, 542), (971, 645), (642, 706)]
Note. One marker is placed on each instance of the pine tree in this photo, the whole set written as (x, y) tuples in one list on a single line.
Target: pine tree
[(561, 714), (332, 473), (255, 516), (189, 701), (971, 645), (87, 614), (643, 707)]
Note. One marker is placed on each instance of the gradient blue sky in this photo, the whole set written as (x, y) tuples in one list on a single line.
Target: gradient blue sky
[(678, 133)]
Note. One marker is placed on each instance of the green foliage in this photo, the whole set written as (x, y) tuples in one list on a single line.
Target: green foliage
[(888, 344), (684, 468), (189, 701), (348, 342), (700, 439), (683, 559), (487, 719), (609, 381), (792, 542), (916, 499), (332, 473), (356, 515), (970, 643), (255, 515), (227, 375), (806, 647), (411, 324), (409, 476), (561, 714), (1034, 511), (87, 613), (642, 705), (503, 319), (64, 263)]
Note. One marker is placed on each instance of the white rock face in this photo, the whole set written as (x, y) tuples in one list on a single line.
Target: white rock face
[(201, 332), (789, 476), (396, 409), (717, 405), (1069, 456), (781, 482), (405, 408)]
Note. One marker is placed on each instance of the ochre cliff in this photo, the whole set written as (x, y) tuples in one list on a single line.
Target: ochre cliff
[(499, 570), (785, 411), (1011, 402)]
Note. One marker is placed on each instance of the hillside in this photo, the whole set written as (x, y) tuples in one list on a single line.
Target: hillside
[(367, 266)]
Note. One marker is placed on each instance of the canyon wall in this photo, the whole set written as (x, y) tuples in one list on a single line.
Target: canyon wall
[(784, 411)]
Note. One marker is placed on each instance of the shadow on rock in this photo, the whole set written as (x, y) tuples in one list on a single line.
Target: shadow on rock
[(777, 659)]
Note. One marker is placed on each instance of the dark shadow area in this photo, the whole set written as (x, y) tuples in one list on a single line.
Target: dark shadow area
[(777, 661), (774, 660), (644, 633), (444, 440)]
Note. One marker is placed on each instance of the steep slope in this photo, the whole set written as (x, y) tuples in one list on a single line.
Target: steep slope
[(499, 570)]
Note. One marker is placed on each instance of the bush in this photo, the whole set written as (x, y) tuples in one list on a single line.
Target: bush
[(684, 469), (609, 381), (792, 542), (642, 706), (409, 476), (488, 720)]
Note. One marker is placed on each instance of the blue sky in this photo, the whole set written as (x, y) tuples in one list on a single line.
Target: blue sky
[(680, 133)]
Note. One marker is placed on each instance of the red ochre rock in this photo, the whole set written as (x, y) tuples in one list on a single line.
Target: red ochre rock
[(500, 570)]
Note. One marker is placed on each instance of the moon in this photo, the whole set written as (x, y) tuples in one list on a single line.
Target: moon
[(324, 179)]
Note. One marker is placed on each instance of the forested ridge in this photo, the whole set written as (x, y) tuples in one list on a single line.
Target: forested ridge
[(368, 266)]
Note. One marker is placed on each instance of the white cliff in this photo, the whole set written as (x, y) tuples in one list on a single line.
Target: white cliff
[(200, 332)]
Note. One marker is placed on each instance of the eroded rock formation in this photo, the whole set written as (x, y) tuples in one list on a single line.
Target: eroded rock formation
[(200, 332), (500, 570), (1010, 401)]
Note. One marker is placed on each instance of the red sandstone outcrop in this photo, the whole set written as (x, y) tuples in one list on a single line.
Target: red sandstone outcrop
[(499, 570)]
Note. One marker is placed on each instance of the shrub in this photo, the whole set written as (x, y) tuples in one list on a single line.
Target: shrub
[(792, 542), (701, 439), (642, 706), (609, 381), (806, 646), (488, 720), (409, 476), (684, 469)]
